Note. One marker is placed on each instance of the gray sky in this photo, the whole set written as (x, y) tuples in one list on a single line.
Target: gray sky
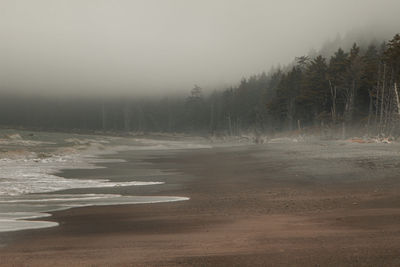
[(142, 46)]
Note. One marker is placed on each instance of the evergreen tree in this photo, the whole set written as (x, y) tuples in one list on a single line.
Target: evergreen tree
[(312, 100), (336, 79)]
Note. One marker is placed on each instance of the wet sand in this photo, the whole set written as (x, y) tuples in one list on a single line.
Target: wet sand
[(318, 204)]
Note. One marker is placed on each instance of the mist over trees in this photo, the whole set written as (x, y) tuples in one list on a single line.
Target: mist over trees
[(352, 91)]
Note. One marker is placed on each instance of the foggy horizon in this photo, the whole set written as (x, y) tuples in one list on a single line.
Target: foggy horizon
[(153, 47)]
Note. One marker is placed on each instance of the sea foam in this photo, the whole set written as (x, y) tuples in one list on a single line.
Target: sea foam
[(27, 181)]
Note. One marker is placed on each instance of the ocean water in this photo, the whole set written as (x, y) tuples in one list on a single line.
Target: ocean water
[(29, 185)]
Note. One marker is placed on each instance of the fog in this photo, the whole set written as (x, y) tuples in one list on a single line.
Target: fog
[(156, 47)]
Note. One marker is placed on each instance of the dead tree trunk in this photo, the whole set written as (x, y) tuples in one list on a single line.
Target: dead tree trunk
[(333, 97), (370, 111), (290, 113), (382, 99), (377, 97), (397, 98)]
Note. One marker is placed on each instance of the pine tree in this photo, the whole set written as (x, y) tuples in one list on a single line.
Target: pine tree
[(336, 79), (312, 100)]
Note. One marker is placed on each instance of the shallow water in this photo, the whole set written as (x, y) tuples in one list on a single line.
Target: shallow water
[(16, 212), (28, 184)]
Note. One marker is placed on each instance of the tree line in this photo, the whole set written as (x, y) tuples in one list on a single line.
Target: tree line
[(351, 90)]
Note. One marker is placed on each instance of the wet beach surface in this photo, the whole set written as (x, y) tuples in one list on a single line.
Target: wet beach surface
[(289, 204)]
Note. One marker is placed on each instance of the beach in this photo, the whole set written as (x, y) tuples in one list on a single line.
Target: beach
[(322, 203)]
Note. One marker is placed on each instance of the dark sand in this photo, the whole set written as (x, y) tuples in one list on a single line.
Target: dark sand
[(322, 204)]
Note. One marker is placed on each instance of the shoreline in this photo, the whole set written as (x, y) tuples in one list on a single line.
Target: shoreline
[(274, 205), (45, 218)]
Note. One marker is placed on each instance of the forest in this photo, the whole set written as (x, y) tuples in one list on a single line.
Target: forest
[(354, 92)]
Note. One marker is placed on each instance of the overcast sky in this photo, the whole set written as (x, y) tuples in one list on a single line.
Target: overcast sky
[(141, 46)]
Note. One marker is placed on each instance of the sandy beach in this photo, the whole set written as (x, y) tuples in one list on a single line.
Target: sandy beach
[(290, 204)]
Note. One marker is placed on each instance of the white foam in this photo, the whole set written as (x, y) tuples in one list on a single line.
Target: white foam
[(16, 221), (32, 175), (29, 174), (151, 144), (25, 177), (18, 225)]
